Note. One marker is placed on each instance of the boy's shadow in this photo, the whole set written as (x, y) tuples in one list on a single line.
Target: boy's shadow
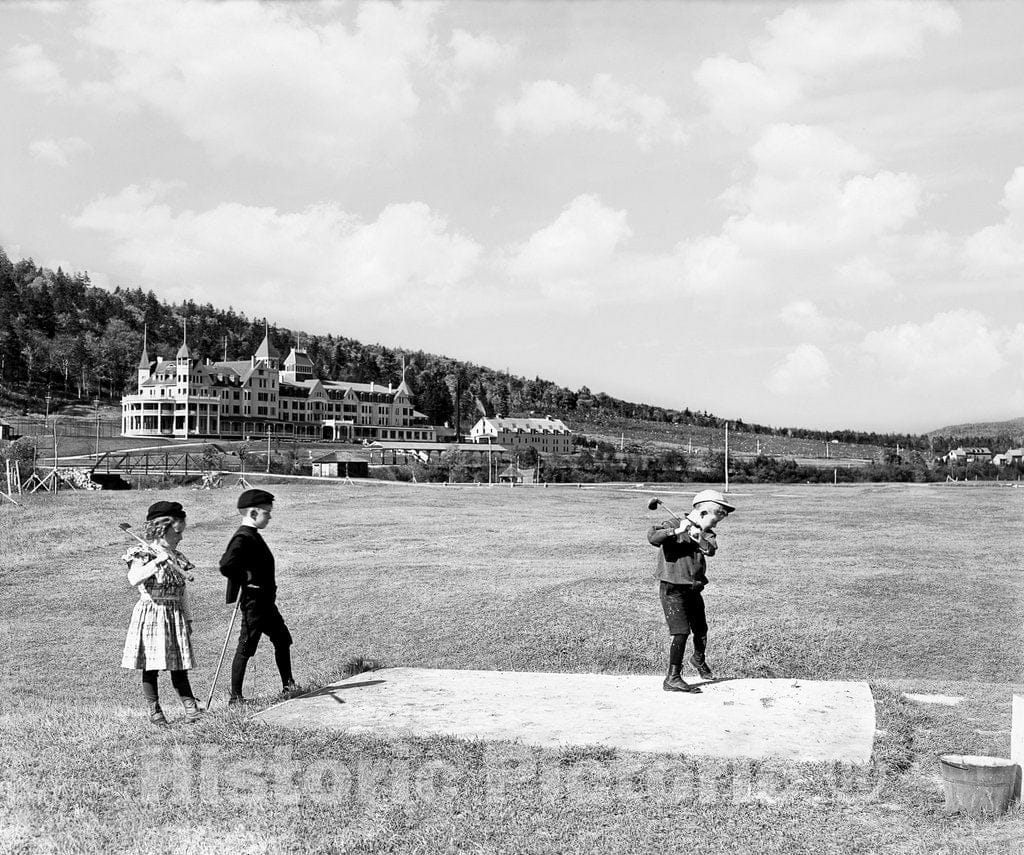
[(333, 691)]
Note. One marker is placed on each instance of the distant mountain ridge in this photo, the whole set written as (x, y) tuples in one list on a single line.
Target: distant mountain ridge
[(64, 338), (1010, 426)]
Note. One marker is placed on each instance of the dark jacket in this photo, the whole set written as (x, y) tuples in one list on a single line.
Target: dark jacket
[(248, 562), (681, 562)]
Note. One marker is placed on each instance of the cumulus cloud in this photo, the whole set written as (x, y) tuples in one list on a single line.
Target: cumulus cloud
[(805, 370), (742, 94), (575, 251), (547, 107), (29, 67), (712, 263), (321, 256), (830, 39), (862, 275), (261, 82), (953, 349), (803, 199), (1015, 347), (811, 46), (270, 82), (58, 152), (811, 219), (998, 250), (478, 53), (802, 314), (469, 56)]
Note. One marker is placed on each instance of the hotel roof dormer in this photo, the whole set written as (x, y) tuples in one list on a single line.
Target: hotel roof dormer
[(297, 366)]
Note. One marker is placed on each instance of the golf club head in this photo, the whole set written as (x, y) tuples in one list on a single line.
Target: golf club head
[(653, 504), (124, 526)]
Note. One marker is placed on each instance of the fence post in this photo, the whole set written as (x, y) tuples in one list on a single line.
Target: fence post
[(1017, 740)]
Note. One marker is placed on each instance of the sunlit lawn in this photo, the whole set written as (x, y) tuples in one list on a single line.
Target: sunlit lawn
[(908, 588)]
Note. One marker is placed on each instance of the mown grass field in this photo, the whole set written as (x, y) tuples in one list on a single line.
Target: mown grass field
[(911, 588)]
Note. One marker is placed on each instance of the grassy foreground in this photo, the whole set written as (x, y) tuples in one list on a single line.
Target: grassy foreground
[(912, 588)]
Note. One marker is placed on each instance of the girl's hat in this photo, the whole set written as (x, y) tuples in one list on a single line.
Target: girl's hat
[(165, 509)]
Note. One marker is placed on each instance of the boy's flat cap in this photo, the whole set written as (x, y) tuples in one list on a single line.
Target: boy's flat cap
[(254, 498), (713, 496)]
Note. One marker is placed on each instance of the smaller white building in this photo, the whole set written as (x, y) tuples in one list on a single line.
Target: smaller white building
[(973, 454), (546, 435)]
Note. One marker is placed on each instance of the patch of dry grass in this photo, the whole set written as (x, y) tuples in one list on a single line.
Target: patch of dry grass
[(910, 588)]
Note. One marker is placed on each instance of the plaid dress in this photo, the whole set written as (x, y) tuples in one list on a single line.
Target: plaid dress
[(158, 636)]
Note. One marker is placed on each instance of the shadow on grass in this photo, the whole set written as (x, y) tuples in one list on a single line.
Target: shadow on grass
[(331, 691)]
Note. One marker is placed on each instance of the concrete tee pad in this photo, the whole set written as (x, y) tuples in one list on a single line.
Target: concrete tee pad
[(791, 719)]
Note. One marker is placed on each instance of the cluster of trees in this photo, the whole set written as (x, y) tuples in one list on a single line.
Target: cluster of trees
[(997, 441), (59, 335), (603, 462)]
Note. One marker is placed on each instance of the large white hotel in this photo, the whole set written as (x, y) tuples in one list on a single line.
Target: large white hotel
[(188, 397)]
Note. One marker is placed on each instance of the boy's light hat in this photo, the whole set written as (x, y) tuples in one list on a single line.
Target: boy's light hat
[(712, 496)]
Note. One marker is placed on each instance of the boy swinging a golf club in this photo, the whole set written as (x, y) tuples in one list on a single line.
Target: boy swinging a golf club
[(248, 564), (683, 548)]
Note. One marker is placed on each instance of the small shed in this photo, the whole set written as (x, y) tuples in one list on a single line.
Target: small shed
[(514, 475), (341, 464)]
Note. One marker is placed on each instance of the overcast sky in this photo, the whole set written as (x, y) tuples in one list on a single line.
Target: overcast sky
[(806, 215)]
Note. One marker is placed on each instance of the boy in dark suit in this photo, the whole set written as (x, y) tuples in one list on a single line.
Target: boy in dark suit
[(248, 565)]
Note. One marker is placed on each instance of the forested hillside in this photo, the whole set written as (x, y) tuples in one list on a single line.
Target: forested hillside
[(60, 335)]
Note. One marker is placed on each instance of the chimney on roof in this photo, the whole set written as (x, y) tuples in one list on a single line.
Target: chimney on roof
[(371, 385)]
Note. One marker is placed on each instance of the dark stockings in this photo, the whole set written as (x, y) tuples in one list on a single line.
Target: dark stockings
[(179, 679), (675, 654), (700, 644), (149, 689), (238, 665), (283, 658)]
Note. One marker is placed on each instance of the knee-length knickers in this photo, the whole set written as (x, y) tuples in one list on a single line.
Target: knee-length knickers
[(684, 609)]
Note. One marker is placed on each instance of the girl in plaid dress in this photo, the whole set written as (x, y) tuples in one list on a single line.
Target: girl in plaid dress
[(160, 632)]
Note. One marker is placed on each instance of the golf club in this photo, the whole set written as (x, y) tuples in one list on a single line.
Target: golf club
[(223, 650), (694, 531), (126, 528), (654, 503)]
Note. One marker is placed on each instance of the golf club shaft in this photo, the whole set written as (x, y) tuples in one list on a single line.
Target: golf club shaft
[(696, 538), (223, 650)]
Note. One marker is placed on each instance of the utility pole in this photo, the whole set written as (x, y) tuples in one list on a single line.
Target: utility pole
[(96, 402), (726, 457)]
